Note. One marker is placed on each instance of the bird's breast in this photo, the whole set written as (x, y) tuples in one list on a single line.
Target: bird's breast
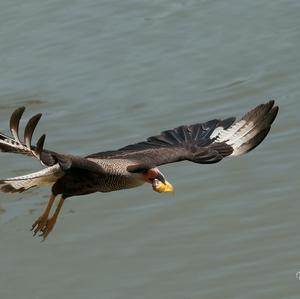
[(116, 176)]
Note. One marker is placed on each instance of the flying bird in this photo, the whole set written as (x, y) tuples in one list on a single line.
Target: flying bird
[(132, 165)]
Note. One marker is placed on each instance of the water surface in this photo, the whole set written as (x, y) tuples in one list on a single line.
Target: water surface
[(109, 73)]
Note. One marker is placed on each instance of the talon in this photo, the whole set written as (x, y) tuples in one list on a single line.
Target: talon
[(45, 225), (45, 231), (35, 224), (40, 224)]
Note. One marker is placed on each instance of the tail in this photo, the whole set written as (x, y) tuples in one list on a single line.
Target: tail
[(44, 177), (247, 133), (15, 145)]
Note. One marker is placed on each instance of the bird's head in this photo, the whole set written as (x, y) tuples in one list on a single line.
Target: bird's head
[(157, 180)]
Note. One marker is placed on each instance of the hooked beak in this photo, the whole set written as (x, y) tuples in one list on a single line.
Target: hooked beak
[(160, 184)]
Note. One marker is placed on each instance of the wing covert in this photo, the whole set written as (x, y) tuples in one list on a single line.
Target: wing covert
[(189, 142)]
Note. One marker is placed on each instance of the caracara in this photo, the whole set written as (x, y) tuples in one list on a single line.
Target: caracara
[(132, 165)]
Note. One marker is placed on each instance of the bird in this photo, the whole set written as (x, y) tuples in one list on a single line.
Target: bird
[(130, 166)]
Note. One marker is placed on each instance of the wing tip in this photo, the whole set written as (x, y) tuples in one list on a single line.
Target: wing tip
[(7, 188), (261, 118), (260, 111), (252, 143)]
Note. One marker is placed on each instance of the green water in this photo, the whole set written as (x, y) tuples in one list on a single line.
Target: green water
[(109, 73)]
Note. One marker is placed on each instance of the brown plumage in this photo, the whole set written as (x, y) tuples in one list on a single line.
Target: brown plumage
[(132, 165)]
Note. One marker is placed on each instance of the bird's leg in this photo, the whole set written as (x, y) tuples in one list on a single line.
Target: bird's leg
[(47, 228), (42, 220)]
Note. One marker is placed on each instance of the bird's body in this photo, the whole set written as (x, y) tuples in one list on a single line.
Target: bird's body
[(116, 177), (132, 165)]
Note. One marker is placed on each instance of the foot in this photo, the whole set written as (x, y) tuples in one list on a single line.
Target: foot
[(39, 224), (47, 228), (44, 225)]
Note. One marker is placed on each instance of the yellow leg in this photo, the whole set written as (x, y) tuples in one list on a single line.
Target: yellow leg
[(42, 220), (47, 228)]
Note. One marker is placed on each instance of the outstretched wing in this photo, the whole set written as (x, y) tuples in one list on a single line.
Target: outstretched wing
[(205, 143), (56, 164), (47, 158), (15, 145), (46, 176)]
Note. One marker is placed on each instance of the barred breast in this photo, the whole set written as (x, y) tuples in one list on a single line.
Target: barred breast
[(116, 176)]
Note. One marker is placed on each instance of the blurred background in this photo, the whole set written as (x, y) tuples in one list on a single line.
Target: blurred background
[(109, 73)]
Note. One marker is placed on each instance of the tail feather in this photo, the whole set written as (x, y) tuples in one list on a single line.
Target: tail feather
[(46, 176)]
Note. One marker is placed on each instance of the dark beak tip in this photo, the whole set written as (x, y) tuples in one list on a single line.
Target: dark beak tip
[(161, 178)]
